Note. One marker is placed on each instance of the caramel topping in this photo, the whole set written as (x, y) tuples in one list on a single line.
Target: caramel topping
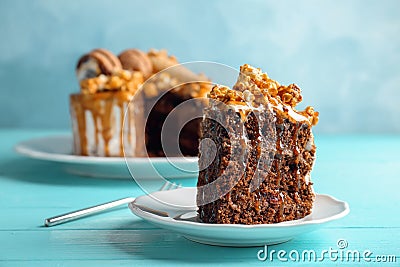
[(255, 87), (100, 71), (311, 114), (122, 80), (170, 75), (161, 60), (106, 111), (159, 83), (283, 98), (226, 95), (288, 95), (163, 81), (194, 89)]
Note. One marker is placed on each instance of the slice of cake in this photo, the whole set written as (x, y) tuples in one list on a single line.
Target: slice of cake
[(98, 111), (168, 99), (125, 100), (256, 153)]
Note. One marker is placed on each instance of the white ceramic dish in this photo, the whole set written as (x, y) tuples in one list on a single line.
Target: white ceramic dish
[(59, 149), (183, 201)]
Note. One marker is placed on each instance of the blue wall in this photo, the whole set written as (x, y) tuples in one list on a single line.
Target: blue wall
[(345, 55)]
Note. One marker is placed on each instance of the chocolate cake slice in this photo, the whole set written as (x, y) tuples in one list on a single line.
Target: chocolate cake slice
[(256, 153), (173, 114)]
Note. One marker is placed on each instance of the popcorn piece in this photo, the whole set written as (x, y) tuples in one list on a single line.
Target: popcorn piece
[(119, 81), (311, 114), (279, 96), (226, 95), (290, 95)]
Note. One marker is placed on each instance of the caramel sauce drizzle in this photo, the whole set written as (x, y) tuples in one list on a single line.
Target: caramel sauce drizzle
[(121, 133), (100, 106)]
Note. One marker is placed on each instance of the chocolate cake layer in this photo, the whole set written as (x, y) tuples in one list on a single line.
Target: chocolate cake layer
[(283, 191), (256, 155), (180, 134)]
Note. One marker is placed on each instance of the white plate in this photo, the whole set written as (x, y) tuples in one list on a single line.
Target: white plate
[(326, 209), (59, 149)]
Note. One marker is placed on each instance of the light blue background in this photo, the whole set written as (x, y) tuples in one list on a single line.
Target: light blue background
[(345, 55)]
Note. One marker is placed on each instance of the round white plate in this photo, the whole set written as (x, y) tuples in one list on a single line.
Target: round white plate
[(183, 201), (59, 149)]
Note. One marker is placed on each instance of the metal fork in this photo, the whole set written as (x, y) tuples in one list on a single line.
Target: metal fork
[(74, 215)]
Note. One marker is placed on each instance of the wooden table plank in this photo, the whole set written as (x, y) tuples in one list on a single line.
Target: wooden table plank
[(363, 170), (157, 244)]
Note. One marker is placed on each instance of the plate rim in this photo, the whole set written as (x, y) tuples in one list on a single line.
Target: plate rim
[(288, 224), (23, 148)]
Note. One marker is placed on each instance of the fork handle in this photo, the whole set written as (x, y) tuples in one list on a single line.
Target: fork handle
[(70, 216)]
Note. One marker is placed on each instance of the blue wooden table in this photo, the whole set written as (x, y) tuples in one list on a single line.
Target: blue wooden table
[(363, 170)]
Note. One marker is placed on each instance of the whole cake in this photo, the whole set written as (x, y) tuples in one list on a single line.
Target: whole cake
[(125, 100), (256, 153)]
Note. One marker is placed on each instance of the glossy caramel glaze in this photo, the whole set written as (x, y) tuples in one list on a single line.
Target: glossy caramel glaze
[(99, 126)]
